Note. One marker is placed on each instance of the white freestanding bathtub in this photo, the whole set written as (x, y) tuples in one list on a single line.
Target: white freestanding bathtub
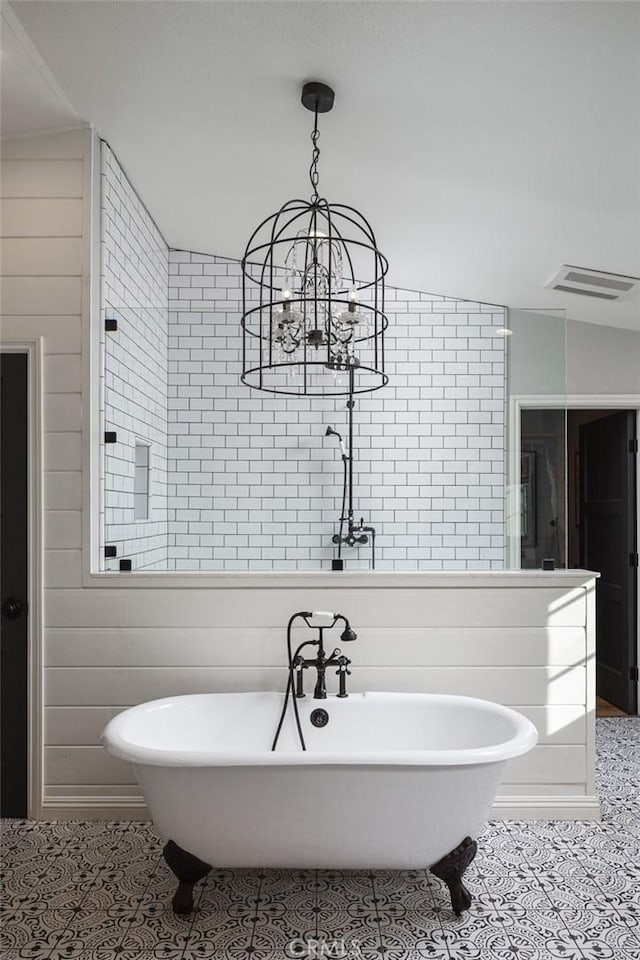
[(392, 780)]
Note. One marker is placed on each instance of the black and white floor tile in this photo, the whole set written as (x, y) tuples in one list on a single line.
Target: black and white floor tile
[(562, 891)]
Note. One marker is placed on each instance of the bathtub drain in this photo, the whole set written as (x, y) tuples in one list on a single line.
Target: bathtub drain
[(319, 717)]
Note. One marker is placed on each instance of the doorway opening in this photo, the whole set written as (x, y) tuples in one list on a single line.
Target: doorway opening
[(14, 583), (579, 482)]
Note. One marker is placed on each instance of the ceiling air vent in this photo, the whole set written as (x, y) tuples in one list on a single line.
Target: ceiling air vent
[(593, 283)]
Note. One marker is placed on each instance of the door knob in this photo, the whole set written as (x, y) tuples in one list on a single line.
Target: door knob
[(12, 608)]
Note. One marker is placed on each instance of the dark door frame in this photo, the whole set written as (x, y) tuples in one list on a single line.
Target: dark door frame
[(35, 678), (606, 500), (596, 401)]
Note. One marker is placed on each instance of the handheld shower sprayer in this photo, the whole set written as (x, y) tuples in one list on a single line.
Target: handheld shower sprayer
[(330, 432), (324, 620)]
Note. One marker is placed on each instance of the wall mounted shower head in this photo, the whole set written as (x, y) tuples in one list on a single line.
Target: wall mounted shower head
[(330, 432)]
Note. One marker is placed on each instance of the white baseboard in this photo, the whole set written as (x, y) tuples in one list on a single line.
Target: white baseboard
[(94, 808), (569, 807), (504, 808)]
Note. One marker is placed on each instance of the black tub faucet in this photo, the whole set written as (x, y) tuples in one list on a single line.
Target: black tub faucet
[(321, 661), (298, 664), (337, 659)]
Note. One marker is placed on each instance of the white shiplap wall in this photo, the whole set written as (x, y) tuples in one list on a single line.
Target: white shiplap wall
[(45, 280), (519, 639), (110, 641)]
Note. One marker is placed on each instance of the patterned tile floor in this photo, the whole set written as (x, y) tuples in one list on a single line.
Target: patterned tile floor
[(101, 891)]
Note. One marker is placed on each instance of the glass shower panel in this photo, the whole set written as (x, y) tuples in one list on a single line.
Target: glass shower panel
[(537, 430), (543, 487), (134, 440), (239, 480)]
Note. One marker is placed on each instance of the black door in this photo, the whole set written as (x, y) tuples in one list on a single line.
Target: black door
[(608, 545), (13, 584)]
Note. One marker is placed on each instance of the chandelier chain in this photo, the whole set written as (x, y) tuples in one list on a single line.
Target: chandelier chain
[(311, 332), (314, 176)]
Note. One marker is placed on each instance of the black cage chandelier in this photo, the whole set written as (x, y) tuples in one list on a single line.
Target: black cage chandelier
[(313, 321)]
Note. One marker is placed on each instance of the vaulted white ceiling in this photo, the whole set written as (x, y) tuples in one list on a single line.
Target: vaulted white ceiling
[(30, 97), (488, 143)]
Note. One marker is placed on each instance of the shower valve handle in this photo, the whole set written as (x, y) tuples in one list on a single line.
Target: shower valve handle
[(342, 671), (299, 666)]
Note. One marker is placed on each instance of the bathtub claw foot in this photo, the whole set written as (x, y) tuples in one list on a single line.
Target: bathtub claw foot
[(182, 901), (451, 869), (188, 870)]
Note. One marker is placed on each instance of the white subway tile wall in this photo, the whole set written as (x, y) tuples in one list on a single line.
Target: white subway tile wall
[(134, 292), (254, 484), (242, 480)]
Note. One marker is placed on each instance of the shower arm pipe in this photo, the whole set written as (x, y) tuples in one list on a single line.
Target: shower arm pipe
[(346, 512), (350, 406)]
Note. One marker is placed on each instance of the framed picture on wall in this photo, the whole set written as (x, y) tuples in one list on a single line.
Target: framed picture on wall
[(528, 498)]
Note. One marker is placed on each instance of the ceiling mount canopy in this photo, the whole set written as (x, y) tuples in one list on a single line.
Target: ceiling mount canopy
[(317, 97), (313, 321)]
